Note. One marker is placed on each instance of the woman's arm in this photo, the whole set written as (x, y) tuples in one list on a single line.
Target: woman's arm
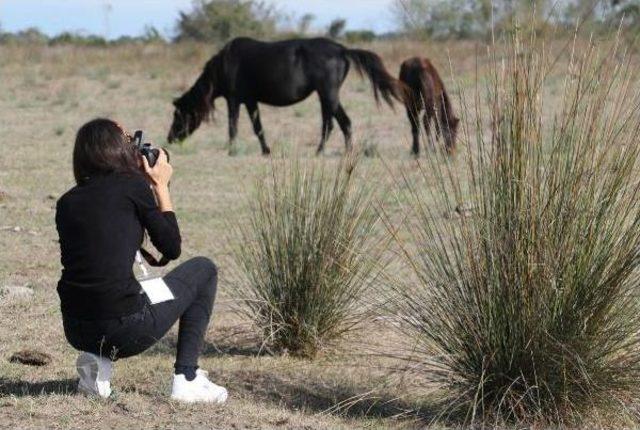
[(163, 197), (160, 175), (156, 214)]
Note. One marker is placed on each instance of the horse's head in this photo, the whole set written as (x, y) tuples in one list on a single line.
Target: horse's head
[(185, 120), (194, 106)]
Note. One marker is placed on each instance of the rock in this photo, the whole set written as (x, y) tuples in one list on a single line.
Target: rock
[(464, 211), (16, 291), (31, 358), (16, 229)]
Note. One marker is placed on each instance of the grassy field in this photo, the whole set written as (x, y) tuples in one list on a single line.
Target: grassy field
[(46, 94)]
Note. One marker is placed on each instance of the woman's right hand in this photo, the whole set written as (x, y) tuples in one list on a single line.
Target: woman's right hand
[(160, 173)]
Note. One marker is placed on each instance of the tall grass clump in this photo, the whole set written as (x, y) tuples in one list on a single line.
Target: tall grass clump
[(305, 256), (526, 310)]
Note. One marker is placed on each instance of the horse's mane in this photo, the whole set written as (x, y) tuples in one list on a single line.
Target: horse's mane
[(198, 99)]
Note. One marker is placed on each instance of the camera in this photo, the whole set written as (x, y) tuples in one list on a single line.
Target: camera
[(146, 149)]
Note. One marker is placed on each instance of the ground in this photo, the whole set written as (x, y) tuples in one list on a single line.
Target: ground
[(45, 95)]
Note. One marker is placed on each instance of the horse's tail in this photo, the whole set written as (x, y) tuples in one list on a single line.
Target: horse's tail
[(448, 121), (445, 111), (370, 64)]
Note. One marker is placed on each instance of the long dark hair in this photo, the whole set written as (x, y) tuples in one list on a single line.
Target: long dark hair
[(103, 147)]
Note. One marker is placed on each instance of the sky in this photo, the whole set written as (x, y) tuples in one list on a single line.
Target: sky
[(114, 18)]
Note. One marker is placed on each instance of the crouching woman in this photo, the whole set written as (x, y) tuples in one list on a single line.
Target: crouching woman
[(101, 223)]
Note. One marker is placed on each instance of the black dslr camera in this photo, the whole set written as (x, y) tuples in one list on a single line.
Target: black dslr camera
[(146, 149)]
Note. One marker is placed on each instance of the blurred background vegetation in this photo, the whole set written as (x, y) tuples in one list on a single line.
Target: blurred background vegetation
[(220, 20)]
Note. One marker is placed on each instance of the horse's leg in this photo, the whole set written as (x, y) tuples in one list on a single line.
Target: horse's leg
[(327, 122), (345, 125), (234, 112), (412, 114), (254, 114)]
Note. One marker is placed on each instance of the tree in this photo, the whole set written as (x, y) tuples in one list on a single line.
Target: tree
[(151, 34), (443, 18), (464, 18), (336, 28), (305, 23), (221, 20), (625, 11)]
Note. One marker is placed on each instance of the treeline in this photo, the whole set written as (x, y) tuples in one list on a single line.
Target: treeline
[(442, 19), (35, 36), (209, 21), (221, 20)]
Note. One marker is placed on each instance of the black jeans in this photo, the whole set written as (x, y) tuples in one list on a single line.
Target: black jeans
[(193, 283)]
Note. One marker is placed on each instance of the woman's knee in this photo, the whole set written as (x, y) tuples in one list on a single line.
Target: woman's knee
[(207, 267), (205, 264)]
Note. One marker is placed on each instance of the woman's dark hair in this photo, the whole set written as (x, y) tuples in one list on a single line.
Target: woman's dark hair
[(103, 147)]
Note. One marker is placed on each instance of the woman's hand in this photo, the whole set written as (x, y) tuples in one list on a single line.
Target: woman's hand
[(160, 175)]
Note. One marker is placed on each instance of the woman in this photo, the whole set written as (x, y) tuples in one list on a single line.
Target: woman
[(101, 223)]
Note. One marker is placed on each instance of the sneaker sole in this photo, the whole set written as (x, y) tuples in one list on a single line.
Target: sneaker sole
[(218, 400), (83, 389)]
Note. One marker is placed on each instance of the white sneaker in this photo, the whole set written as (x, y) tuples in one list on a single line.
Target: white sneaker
[(198, 390), (95, 375)]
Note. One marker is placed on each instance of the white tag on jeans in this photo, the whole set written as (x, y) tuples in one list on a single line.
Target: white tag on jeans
[(157, 290)]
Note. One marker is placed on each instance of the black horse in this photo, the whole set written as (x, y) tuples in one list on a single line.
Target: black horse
[(279, 74)]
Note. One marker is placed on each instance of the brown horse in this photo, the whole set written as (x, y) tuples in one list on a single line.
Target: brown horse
[(427, 93)]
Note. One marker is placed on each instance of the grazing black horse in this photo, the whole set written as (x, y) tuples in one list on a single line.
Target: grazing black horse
[(248, 72)]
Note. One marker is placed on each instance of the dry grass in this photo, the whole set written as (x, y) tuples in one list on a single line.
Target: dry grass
[(526, 309), (47, 93)]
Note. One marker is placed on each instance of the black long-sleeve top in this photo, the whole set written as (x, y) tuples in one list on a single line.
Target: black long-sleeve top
[(101, 223)]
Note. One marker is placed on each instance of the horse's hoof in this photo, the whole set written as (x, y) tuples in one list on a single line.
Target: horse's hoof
[(266, 152)]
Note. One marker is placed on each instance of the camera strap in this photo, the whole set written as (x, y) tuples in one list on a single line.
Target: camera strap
[(153, 261), (141, 266)]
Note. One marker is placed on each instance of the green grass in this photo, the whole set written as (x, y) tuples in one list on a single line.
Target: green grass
[(305, 255)]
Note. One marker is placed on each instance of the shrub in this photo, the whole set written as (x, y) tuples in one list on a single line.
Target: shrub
[(78, 39), (221, 20), (31, 35), (306, 256), (525, 309), (360, 36)]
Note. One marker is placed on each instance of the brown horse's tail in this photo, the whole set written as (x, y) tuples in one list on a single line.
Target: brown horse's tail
[(448, 121), (370, 64), (446, 111)]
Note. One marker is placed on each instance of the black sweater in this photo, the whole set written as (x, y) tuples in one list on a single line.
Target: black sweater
[(101, 224)]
